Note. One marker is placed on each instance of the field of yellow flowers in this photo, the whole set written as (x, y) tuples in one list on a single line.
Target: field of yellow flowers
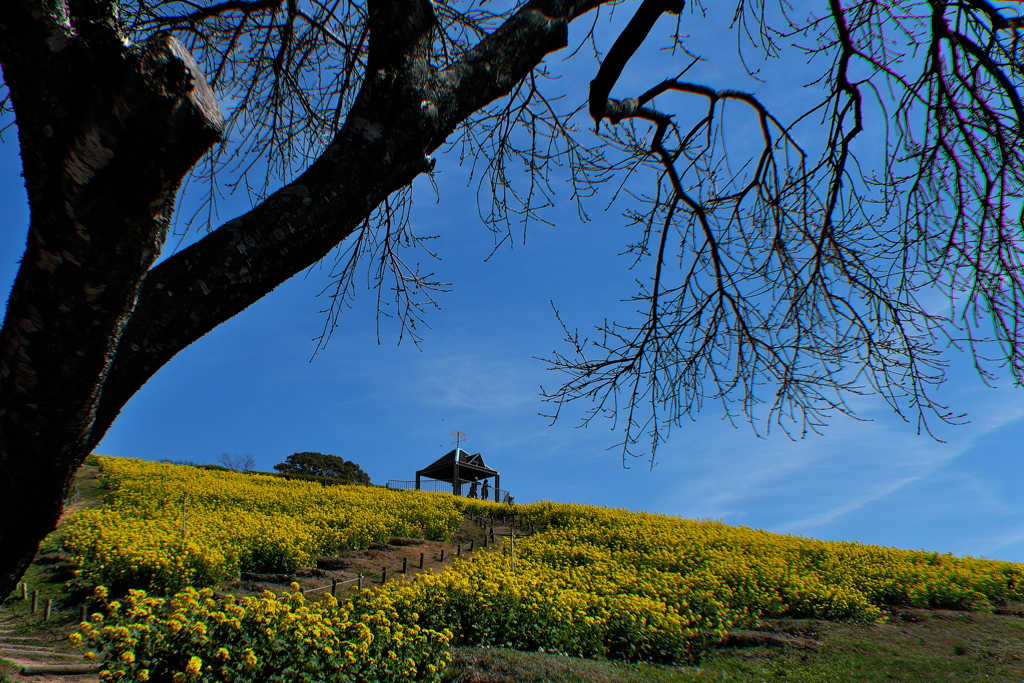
[(168, 527), (619, 584), (593, 581)]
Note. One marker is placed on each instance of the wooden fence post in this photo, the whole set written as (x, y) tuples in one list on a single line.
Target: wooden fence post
[(359, 582), (383, 575), (471, 544), (83, 612), (442, 555), (49, 609), (405, 565), (24, 590), (458, 550), (334, 586), (421, 560), (35, 601)]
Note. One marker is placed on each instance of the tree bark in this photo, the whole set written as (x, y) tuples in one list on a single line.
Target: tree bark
[(107, 133)]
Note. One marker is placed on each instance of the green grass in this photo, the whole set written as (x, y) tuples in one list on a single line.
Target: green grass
[(916, 646), (49, 574), (499, 665)]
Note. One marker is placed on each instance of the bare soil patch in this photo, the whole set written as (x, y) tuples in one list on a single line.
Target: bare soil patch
[(394, 555)]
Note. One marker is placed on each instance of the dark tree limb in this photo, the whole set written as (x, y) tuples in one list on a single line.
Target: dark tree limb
[(232, 6), (623, 49)]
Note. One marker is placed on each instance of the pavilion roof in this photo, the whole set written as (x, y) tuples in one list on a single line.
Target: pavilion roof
[(471, 467)]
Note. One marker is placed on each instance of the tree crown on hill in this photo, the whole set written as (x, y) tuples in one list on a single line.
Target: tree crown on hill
[(323, 465)]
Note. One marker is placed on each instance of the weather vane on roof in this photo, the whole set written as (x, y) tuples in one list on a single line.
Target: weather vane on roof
[(459, 438)]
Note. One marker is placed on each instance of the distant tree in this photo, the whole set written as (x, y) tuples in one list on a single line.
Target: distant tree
[(240, 462), (323, 465), (181, 463)]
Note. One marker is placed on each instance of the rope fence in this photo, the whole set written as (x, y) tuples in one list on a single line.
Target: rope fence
[(438, 486), (490, 538), (37, 606)]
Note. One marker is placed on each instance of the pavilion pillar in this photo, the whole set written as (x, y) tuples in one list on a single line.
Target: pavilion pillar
[(417, 481), (497, 486), (456, 484)]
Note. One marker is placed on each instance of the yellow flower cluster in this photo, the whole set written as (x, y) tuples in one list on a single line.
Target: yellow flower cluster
[(194, 637), (168, 527)]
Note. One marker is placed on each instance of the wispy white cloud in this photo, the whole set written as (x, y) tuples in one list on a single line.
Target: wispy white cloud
[(1003, 540), (828, 516), (900, 460), (480, 382), (812, 484)]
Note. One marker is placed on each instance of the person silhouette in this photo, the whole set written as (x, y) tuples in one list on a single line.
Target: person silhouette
[(485, 490)]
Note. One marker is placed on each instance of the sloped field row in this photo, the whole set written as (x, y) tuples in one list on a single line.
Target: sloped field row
[(168, 527), (593, 581)]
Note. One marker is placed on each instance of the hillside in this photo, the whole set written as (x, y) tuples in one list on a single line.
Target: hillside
[(694, 600)]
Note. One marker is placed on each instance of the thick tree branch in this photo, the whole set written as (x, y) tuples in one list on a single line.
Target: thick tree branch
[(501, 60), (222, 8), (400, 32), (622, 50), (402, 114)]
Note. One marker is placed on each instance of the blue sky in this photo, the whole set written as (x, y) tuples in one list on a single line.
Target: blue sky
[(251, 387)]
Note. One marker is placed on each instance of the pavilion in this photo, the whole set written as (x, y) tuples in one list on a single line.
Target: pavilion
[(457, 468)]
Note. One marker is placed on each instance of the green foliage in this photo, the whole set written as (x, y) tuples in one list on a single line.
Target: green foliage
[(323, 465)]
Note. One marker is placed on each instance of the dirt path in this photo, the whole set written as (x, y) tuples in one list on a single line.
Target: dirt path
[(393, 556), (34, 658)]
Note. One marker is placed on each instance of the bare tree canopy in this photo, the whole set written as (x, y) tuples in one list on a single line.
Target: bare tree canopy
[(788, 275), (778, 274), (241, 462)]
